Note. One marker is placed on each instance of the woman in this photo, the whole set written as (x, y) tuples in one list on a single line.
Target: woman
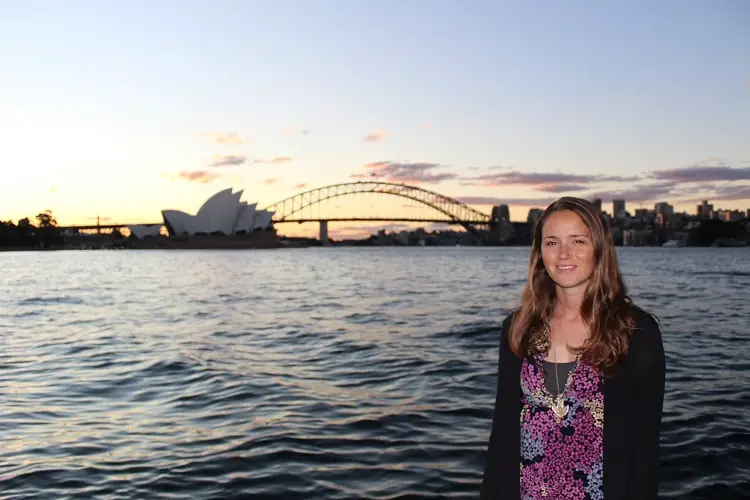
[(580, 381)]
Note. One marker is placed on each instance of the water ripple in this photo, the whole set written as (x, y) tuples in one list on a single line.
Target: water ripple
[(322, 373)]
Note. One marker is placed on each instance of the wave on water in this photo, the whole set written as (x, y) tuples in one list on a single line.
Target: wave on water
[(322, 374)]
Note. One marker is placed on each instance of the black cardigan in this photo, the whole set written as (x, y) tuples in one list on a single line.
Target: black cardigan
[(633, 399)]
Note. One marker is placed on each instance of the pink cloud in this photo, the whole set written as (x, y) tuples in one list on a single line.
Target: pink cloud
[(378, 135), (202, 176), (706, 171), (730, 192), (551, 182), (408, 173), (294, 131), (542, 180), (223, 137), (646, 192), (280, 159), (227, 160), (493, 200)]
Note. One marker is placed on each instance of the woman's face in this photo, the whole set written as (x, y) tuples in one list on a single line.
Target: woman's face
[(567, 250)]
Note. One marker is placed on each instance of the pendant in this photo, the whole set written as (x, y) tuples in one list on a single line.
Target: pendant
[(559, 408)]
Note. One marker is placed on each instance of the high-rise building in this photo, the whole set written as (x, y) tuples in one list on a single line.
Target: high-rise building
[(730, 215), (664, 208), (618, 208), (597, 203), (705, 210)]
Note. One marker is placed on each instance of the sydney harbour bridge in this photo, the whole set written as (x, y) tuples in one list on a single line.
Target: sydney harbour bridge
[(301, 208)]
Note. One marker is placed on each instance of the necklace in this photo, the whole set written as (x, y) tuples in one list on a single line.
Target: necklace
[(559, 407)]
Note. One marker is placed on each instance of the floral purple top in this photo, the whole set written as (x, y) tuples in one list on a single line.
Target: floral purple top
[(562, 453)]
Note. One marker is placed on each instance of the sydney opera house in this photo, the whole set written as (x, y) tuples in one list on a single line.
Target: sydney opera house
[(223, 221)]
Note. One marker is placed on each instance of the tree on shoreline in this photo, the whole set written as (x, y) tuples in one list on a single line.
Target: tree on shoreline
[(46, 219), (25, 235), (712, 231)]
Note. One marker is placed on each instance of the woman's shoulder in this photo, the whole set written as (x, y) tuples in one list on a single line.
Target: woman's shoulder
[(506, 353), (508, 321), (645, 322), (505, 328), (646, 339), (509, 318)]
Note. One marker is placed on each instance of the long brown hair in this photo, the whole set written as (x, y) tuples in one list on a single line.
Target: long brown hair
[(606, 310)]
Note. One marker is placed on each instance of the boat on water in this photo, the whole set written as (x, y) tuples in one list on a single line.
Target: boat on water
[(672, 244), (729, 242)]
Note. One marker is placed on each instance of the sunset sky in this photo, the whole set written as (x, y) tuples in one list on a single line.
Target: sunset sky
[(122, 108)]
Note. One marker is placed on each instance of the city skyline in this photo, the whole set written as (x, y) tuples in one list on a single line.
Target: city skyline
[(110, 111)]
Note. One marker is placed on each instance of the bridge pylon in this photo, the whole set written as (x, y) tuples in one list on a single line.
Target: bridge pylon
[(323, 232)]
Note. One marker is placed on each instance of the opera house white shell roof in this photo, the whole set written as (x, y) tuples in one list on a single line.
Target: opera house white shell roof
[(222, 213)]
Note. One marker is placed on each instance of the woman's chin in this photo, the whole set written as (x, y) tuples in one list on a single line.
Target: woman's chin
[(570, 282)]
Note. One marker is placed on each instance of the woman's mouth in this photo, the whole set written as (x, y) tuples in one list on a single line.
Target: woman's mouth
[(568, 267)]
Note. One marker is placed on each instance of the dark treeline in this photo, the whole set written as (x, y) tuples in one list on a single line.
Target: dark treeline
[(712, 232), (24, 234), (44, 234), (716, 231)]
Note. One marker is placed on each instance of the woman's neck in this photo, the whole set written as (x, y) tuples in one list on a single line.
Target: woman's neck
[(568, 303)]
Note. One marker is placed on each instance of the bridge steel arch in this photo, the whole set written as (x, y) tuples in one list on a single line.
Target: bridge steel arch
[(455, 211)]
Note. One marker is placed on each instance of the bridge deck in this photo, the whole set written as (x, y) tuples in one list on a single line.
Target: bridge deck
[(299, 221), (379, 219)]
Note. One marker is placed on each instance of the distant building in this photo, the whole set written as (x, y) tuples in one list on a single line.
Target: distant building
[(635, 237), (730, 215), (618, 208), (664, 208), (597, 203), (705, 210), (644, 216)]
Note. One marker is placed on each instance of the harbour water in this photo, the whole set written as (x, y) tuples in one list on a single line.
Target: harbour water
[(323, 373)]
